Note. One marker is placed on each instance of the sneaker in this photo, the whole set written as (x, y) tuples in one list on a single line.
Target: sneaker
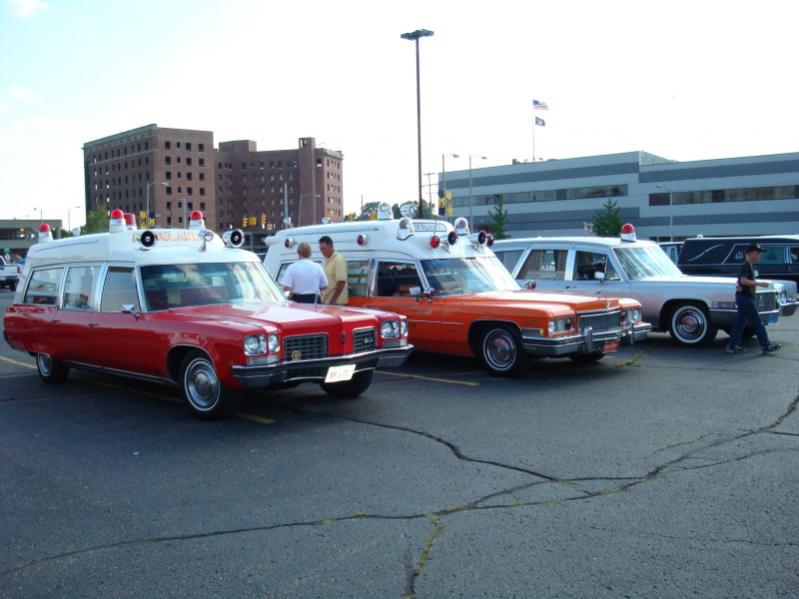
[(735, 350), (772, 347)]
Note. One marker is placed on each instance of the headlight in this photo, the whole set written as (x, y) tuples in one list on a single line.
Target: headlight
[(390, 329), (560, 325), (255, 345), (403, 328), (274, 343), (634, 315)]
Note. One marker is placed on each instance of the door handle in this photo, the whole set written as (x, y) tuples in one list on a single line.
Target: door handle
[(55, 321), (94, 324)]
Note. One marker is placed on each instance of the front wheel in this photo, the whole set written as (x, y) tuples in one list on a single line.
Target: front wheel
[(501, 351), (352, 388), (591, 358), (51, 370), (690, 325), (204, 392)]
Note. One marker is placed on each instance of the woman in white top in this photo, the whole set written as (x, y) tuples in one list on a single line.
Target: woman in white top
[(305, 278)]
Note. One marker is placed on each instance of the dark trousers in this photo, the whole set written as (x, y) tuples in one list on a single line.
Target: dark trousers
[(747, 312), (306, 298)]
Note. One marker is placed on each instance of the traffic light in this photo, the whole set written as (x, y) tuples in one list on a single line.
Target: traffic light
[(263, 220), (243, 222), (253, 220)]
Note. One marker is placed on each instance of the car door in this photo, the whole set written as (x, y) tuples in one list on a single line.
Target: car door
[(124, 339), (594, 271), (395, 285), (37, 327), (545, 266), (74, 323), (793, 264)]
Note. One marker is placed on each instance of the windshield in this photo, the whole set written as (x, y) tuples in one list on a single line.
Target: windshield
[(183, 285), (456, 276), (640, 263)]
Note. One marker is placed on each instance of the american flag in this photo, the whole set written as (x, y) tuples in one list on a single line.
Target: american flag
[(538, 105), (540, 122)]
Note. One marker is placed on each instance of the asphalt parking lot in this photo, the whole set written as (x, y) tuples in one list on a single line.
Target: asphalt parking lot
[(659, 472)]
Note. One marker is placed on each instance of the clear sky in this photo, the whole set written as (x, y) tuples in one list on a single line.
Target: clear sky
[(682, 79)]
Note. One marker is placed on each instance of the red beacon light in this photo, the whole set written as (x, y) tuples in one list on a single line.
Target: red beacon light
[(44, 233), (130, 221), (435, 241), (627, 232), (362, 239), (116, 224), (197, 221)]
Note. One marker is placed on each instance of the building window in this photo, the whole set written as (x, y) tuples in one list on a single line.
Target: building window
[(178, 159), (202, 176), (177, 144), (167, 160), (169, 175), (202, 191), (180, 175), (188, 176), (169, 220), (658, 199), (167, 145), (169, 205), (201, 147), (188, 146), (188, 161), (201, 161), (188, 191), (169, 191)]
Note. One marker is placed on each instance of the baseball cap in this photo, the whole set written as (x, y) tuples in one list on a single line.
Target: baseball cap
[(753, 247)]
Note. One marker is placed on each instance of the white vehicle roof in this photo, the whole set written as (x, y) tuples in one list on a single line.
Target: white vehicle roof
[(611, 242), (172, 246), (382, 239)]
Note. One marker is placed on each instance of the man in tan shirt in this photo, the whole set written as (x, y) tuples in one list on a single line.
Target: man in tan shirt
[(336, 270)]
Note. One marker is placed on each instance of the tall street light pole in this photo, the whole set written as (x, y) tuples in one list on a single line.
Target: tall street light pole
[(165, 184), (443, 193), (69, 217), (415, 36)]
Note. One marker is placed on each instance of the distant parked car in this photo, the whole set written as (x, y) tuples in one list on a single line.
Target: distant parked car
[(672, 249), (724, 256), (9, 274), (691, 308)]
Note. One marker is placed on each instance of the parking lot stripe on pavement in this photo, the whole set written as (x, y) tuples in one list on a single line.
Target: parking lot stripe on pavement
[(17, 363), (429, 378)]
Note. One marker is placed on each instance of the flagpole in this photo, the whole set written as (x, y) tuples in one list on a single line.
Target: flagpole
[(533, 136)]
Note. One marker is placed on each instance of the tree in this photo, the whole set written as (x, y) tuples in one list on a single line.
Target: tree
[(96, 221), (607, 221), (499, 218)]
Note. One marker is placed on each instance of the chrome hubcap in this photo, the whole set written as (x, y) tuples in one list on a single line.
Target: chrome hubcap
[(202, 384), (45, 362), (690, 324), (499, 349)]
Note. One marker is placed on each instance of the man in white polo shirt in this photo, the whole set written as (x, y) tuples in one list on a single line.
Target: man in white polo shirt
[(304, 279)]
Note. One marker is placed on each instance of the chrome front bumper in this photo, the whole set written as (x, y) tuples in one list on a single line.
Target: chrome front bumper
[(585, 342), (267, 375), (788, 308), (636, 333)]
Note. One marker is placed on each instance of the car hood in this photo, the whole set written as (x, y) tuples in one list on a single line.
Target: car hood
[(705, 281), (555, 302), (287, 316)]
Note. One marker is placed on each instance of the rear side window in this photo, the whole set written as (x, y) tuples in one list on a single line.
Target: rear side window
[(43, 287), (795, 255), (357, 278), (119, 289), (79, 287), (397, 279), (587, 264), (509, 258), (773, 254), (545, 265)]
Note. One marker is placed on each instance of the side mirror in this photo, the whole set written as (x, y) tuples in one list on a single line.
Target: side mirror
[(131, 309), (599, 276)]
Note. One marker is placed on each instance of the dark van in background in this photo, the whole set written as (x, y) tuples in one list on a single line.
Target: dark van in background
[(724, 256)]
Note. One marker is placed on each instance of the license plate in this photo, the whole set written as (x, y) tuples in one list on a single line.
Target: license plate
[(339, 374), (773, 318), (610, 346)]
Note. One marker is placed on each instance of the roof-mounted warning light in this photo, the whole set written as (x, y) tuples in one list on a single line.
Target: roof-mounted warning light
[(147, 239), (197, 221), (130, 221), (461, 226), (234, 238), (452, 238), (405, 228), (435, 241), (116, 223), (627, 232), (289, 243), (384, 211), (362, 239), (44, 233)]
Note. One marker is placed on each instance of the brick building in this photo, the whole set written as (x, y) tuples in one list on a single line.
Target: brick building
[(235, 185)]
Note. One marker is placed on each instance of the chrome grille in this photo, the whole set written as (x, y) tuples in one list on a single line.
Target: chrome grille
[(310, 347), (600, 322), (364, 340), (766, 301)]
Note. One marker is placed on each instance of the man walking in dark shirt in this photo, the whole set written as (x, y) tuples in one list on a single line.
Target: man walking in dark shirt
[(745, 300)]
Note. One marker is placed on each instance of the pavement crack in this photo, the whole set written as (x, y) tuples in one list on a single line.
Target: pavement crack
[(413, 573), (456, 451)]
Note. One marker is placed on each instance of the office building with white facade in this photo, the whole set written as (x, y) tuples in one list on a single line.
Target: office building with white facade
[(664, 199)]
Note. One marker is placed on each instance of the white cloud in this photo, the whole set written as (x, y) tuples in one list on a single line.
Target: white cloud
[(20, 93), (4, 108), (26, 8)]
